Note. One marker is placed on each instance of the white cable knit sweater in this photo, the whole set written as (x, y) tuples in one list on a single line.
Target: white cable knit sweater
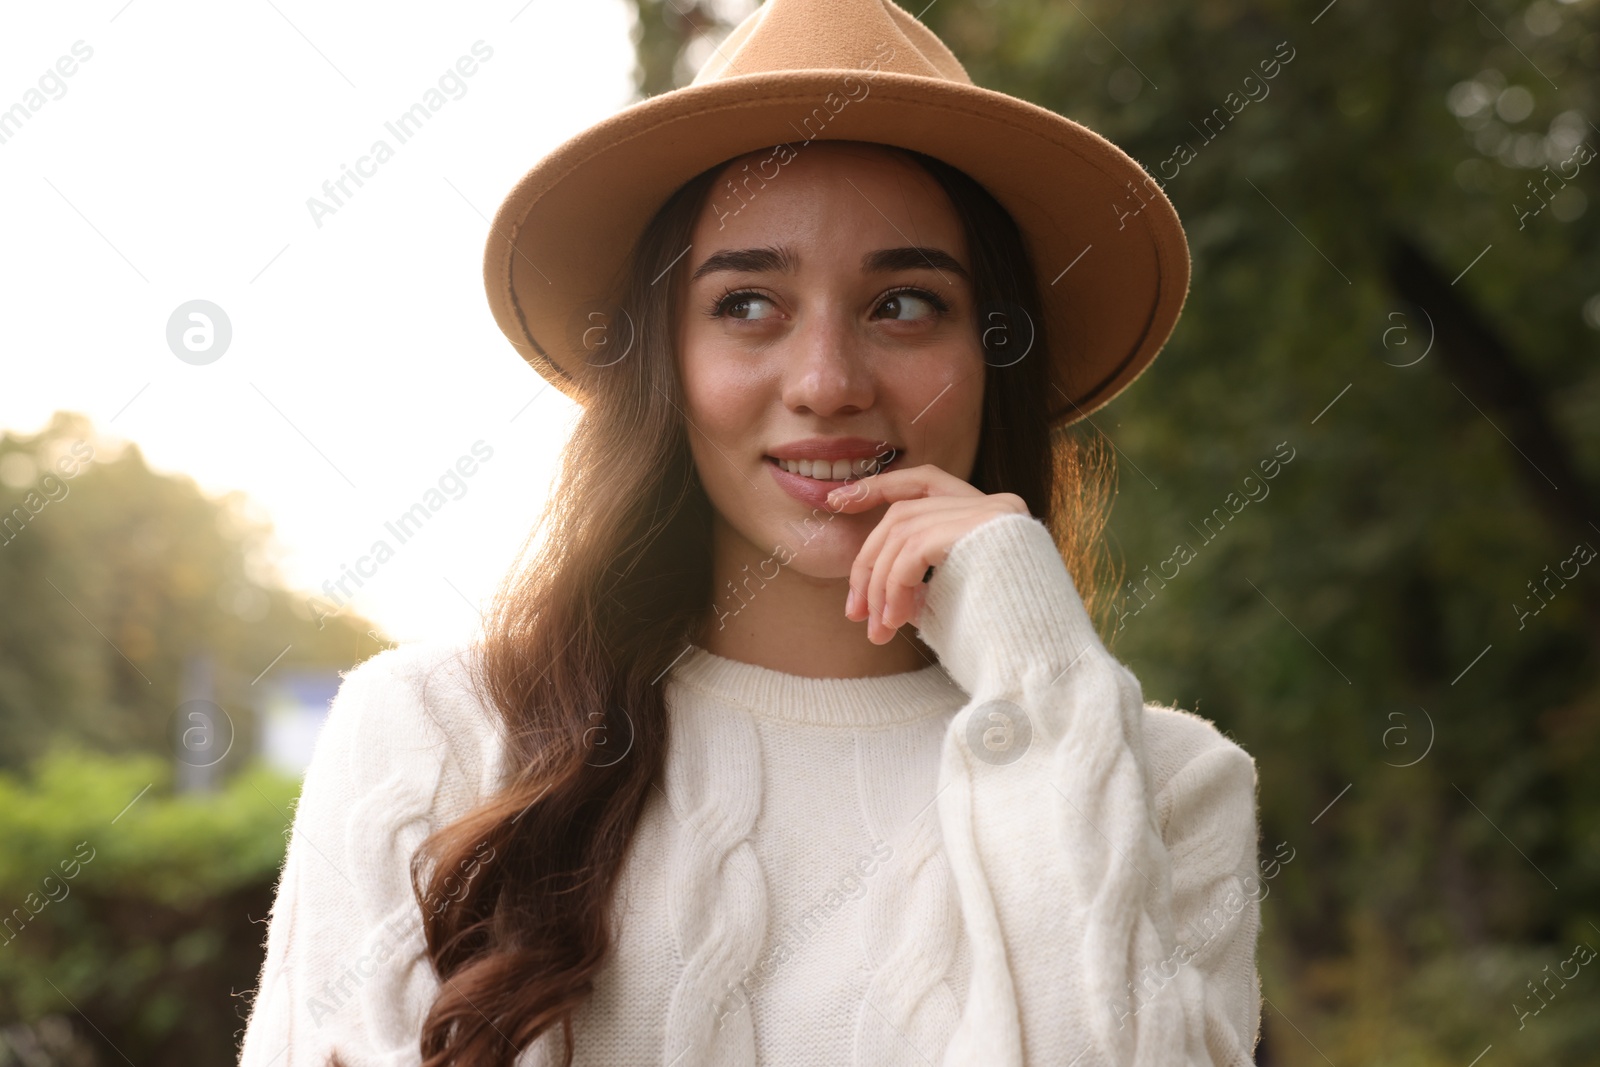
[(1006, 858)]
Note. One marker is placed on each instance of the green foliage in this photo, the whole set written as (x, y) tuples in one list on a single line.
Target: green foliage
[(134, 904)]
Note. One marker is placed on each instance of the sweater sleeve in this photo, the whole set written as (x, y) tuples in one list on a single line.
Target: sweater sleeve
[(1104, 891), (345, 970)]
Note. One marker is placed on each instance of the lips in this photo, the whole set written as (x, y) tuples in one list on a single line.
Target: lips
[(848, 462)]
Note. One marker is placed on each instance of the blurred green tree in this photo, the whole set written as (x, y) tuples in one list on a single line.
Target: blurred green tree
[(116, 580)]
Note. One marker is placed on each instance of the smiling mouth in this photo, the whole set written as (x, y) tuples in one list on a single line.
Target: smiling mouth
[(836, 470)]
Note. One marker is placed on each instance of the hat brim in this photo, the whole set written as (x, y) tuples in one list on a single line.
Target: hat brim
[(1108, 249)]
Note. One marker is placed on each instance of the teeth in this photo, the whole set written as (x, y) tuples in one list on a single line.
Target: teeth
[(837, 470)]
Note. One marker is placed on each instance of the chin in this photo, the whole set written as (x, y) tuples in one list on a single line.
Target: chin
[(830, 566), (831, 550)]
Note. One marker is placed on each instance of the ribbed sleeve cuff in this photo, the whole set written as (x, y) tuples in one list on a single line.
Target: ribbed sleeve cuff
[(1002, 607)]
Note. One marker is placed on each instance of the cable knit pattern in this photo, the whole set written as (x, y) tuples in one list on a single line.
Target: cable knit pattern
[(1008, 623), (719, 906), (913, 919), (834, 870)]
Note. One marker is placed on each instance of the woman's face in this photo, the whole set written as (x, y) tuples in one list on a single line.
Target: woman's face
[(828, 318)]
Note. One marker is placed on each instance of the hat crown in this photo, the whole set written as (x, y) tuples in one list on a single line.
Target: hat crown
[(845, 35)]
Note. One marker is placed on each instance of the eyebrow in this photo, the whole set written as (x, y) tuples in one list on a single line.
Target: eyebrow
[(785, 261), (885, 260), (749, 261)]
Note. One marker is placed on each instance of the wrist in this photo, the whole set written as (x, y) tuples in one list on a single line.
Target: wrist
[(1002, 608)]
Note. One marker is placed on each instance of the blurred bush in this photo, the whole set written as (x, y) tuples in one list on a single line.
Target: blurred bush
[(135, 909)]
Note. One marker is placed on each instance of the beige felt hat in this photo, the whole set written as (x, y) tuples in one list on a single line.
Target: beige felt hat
[(1107, 246)]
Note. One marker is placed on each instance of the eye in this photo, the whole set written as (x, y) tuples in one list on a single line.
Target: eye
[(743, 305), (912, 305)]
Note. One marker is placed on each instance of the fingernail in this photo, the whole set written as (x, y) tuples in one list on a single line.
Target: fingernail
[(850, 603)]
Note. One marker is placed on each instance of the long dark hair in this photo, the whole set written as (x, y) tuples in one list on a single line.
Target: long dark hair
[(608, 598)]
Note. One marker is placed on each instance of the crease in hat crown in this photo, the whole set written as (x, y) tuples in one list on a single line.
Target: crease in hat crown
[(563, 237), (781, 35)]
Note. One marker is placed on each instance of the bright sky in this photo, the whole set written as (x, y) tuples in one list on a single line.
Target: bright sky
[(174, 164)]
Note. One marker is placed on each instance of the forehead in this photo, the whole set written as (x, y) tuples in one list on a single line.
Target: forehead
[(843, 198)]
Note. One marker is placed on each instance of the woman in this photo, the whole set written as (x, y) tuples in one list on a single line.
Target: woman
[(794, 742)]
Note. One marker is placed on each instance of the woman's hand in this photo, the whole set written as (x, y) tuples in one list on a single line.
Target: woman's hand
[(929, 510)]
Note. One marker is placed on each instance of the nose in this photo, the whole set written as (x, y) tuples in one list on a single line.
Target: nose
[(825, 372)]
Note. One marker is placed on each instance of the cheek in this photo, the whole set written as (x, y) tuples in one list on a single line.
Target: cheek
[(944, 396), (723, 407)]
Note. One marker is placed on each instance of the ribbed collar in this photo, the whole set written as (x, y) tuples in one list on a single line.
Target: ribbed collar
[(881, 700)]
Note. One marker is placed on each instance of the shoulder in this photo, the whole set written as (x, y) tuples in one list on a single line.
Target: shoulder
[(1195, 768), (412, 716), (414, 663)]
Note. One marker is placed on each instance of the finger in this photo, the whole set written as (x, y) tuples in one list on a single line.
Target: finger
[(921, 544), (861, 568), (878, 562), (932, 529), (883, 587), (889, 588), (864, 494), (904, 581), (842, 498)]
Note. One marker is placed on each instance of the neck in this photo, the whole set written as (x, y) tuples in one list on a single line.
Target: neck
[(771, 615)]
